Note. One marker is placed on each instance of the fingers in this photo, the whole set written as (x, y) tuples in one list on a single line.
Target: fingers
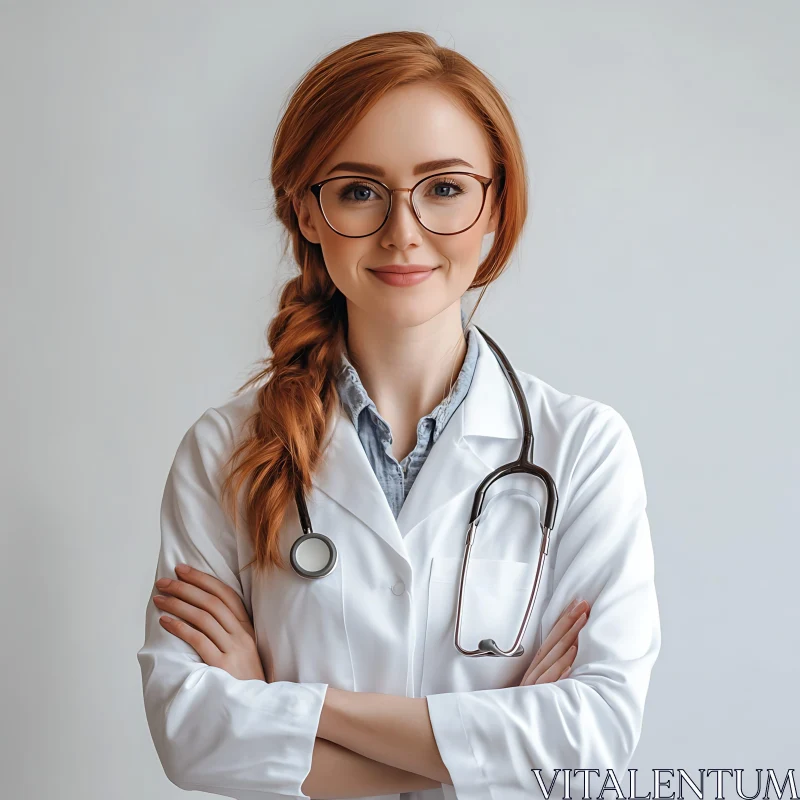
[(568, 609), (550, 663), (561, 646), (201, 619), (210, 616), (218, 588), (559, 667), (564, 623), (554, 671), (212, 595), (196, 600), (196, 639), (565, 629)]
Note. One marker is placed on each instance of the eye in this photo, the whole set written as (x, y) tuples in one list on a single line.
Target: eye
[(448, 183), (360, 189)]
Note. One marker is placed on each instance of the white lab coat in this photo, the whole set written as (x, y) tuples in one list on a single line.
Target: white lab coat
[(383, 620)]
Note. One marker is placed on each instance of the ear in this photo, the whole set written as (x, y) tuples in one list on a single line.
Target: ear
[(494, 217), (304, 218)]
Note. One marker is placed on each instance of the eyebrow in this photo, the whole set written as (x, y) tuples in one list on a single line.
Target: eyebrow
[(420, 169)]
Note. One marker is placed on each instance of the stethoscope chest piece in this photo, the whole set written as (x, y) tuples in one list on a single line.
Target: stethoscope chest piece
[(313, 555)]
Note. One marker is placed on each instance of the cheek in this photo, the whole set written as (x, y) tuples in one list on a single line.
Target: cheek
[(341, 257), (463, 254)]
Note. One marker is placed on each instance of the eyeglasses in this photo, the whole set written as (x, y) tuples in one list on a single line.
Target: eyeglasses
[(446, 203)]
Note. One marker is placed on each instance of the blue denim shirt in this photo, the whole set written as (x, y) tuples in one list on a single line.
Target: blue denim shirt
[(397, 477)]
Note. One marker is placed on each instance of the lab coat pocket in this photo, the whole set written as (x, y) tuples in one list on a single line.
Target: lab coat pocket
[(300, 627), (496, 594)]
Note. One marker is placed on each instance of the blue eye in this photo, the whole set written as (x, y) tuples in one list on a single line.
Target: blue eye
[(363, 188), (451, 183)]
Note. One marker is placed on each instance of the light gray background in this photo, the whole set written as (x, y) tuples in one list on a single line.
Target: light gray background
[(140, 268)]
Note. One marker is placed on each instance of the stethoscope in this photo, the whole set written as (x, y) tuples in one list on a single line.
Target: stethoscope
[(314, 555)]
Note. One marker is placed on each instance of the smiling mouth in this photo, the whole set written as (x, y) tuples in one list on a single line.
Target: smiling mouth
[(401, 270)]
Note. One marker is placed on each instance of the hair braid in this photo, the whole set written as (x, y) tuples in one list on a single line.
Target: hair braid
[(294, 406)]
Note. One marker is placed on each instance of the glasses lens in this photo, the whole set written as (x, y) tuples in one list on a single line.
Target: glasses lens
[(447, 203)]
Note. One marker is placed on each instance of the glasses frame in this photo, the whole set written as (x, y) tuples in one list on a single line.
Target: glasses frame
[(316, 189)]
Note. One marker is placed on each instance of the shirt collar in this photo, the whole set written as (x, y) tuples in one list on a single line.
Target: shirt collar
[(355, 398)]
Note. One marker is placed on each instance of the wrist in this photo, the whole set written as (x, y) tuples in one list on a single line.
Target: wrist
[(327, 717)]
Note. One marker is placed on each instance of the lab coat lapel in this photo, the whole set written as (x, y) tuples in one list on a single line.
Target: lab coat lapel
[(484, 432), (347, 477)]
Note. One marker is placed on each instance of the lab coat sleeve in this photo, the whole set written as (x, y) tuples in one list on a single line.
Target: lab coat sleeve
[(490, 740), (246, 739)]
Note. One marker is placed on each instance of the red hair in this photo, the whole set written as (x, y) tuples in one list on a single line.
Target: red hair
[(283, 436)]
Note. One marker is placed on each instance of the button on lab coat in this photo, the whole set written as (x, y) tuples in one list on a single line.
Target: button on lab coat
[(383, 620)]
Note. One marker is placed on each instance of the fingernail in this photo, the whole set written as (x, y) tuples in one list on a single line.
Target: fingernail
[(182, 568), (579, 607), (162, 583)]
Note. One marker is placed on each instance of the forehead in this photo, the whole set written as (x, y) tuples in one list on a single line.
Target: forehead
[(411, 125)]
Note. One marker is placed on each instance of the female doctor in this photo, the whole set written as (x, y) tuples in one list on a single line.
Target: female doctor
[(381, 416)]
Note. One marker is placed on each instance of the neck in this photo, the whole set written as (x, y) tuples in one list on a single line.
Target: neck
[(407, 371)]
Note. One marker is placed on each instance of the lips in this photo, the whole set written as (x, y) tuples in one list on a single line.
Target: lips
[(403, 274), (402, 269)]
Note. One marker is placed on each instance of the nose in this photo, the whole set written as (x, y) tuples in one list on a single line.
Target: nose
[(402, 228)]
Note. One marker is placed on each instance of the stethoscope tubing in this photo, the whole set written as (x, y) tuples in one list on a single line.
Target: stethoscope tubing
[(522, 464)]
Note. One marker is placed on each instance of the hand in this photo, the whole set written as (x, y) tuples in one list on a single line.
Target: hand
[(223, 634), (553, 660)]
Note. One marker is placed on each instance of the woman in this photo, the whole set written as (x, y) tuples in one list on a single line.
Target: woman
[(385, 411)]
